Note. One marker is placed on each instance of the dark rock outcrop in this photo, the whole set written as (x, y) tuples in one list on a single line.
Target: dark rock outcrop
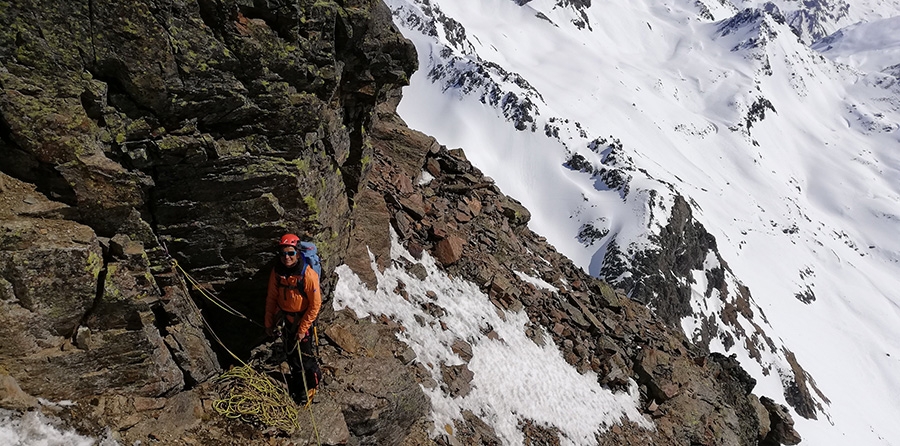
[(782, 426), (192, 129), (80, 317), (662, 278)]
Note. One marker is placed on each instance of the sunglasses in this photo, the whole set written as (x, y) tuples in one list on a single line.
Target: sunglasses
[(288, 253)]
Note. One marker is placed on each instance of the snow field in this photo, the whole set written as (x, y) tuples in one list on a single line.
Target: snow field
[(514, 378)]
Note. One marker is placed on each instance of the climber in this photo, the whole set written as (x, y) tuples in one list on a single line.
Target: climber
[(292, 305)]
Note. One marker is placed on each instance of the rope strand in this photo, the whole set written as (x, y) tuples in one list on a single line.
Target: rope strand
[(210, 296), (308, 396)]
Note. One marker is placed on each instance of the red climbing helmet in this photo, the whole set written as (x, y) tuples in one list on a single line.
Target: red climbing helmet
[(289, 240)]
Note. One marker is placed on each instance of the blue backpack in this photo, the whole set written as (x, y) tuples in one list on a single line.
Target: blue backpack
[(311, 256)]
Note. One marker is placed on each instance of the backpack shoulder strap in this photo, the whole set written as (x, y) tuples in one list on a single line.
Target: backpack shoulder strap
[(300, 284)]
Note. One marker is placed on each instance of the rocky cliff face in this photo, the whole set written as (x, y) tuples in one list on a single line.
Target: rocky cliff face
[(133, 134)]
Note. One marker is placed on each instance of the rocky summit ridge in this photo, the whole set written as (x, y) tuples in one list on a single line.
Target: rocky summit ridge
[(133, 134)]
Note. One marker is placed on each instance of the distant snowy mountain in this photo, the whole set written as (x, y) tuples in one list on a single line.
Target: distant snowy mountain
[(872, 48), (703, 156)]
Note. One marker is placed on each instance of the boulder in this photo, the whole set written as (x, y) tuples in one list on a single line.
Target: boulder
[(12, 396), (762, 414), (515, 212), (458, 379), (449, 250), (655, 369), (782, 424)]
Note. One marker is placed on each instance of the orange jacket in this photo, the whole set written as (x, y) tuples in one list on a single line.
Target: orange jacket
[(284, 294)]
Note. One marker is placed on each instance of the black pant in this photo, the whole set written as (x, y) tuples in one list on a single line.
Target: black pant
[(303, 363)]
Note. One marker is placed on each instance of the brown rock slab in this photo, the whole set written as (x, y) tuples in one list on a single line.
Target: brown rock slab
[(180, 413), (433, 167), (589, 315), (415, 205), (458, 379), (463, 349), (474, 206), (371, 220), (343, 338), (141, 403), (323, 420), (654, 367), (12, 397), (765, 424), (449, 250)]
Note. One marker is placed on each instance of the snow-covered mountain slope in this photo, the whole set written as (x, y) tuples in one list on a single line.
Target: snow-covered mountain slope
[(869, 47), (601, 117)]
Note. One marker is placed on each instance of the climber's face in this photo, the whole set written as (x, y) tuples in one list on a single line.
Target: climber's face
[(289, 256)]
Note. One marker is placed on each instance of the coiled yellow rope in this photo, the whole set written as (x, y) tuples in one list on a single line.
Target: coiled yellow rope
[(255, 397)]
